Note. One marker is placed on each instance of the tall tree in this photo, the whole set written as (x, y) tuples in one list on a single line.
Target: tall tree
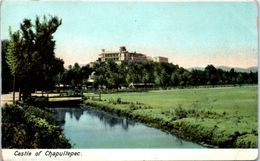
[(15, 58), (6, 72), (99, 75), (211, 75), (31, 55), (47, 63), (147, 72)]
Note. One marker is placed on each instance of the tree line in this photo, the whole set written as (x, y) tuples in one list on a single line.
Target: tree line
[(151, 74)]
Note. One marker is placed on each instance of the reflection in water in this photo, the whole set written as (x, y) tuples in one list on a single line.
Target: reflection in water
[(61, 112), (92, 128), (110, 120), (105, 117)]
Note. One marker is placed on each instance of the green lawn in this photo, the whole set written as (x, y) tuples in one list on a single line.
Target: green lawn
[(236, 101), (222, 117)]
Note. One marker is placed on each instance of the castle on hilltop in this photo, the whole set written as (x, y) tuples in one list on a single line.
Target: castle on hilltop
[(124, 56)]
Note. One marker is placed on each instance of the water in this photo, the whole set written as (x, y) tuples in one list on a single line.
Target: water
[(92, 128)]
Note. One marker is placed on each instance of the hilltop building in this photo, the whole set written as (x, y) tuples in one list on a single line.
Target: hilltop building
[(160, 59), (124, 55)]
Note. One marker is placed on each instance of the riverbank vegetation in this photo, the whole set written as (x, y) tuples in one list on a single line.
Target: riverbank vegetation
[(149, 74), (215, 117), (27, 126)]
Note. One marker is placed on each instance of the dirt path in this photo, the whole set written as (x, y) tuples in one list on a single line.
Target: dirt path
[(8, 98)]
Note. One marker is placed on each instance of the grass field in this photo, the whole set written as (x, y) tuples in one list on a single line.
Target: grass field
[(232, 100), (220, 117)]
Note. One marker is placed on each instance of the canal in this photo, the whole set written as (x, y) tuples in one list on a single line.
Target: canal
[(91, 128)]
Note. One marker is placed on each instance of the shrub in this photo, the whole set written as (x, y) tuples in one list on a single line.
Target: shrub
[(37, 101), (180, 112), (248, 140), (133, 107), (118, 101), (26, 126)]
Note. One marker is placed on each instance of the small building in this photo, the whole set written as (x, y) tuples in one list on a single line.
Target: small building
[(161, 59), (149, 58), (91, 64), (136, 57), (141, 85)]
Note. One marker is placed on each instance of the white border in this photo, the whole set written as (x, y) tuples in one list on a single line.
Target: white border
[(140, 154), (137, 154)]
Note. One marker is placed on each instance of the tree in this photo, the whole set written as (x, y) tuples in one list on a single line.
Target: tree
[(6, 72), (112, 74), (133, 73), (174, 79), (77, 76), (15, 58), (198, 77), (240, 79), (221, 76), (48, 65), (122, 74), (253, 77), (31, 56), (99, 76), (164, 78), (232, 76), (86, 71), (147, 72), (211, 75)]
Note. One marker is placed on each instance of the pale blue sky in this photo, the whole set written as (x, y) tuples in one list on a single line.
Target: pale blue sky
[(190, 34)]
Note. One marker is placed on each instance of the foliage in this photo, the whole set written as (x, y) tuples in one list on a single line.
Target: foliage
[(217, 117), (6, 72), (76, 75), (37, 101), (31, 56), (149, 74), (25, 126), (180, 113)]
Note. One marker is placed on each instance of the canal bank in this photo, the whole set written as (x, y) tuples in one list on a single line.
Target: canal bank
[(187, 128), (149, 121)]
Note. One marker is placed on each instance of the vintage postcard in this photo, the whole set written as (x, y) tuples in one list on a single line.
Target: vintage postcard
[(129, 80)]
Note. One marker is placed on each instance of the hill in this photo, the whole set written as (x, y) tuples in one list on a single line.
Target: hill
[(226, 68)]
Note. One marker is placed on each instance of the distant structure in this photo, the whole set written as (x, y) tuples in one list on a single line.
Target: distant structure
[(91, 64), (161, 59), (124, 55)]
